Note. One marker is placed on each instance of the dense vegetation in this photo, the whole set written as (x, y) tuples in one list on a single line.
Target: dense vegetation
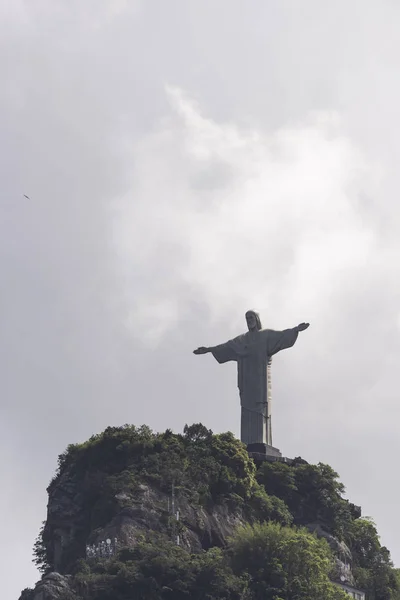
[(266, 561), (273, 557)]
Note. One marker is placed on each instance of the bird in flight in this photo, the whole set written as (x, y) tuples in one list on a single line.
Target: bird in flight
[(25, 196)]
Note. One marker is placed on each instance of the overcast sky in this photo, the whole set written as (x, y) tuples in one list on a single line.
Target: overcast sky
[(186, 161)]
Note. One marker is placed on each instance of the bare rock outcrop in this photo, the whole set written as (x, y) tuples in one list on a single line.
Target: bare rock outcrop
[(147, 509), (53, 586)]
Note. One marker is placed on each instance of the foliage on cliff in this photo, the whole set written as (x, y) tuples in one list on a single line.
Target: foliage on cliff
[(265, 561), (270, 558), (206, 468), (313, 493), (372, 566)]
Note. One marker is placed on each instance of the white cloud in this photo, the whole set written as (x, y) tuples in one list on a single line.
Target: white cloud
[(241, 217)]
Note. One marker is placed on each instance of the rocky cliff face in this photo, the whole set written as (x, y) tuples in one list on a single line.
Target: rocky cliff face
[(52, 587), (133, 514), (146, 510)]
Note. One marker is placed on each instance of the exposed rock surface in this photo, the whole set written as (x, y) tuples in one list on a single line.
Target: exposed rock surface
[(343, 558), (147, 509), (52, 587)]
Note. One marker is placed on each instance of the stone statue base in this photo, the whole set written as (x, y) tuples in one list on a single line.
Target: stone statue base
[(265, 450)]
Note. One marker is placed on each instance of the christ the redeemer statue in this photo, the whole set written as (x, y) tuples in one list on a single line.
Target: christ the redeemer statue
[(253, 351)]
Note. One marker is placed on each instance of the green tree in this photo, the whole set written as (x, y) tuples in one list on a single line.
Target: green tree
[(372, 565), (313, 493), (197, 432), (156, 569), (283, 562), (40, 553), (214, 578)]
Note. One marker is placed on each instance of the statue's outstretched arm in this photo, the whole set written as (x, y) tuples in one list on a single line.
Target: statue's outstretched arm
[(222, 353), (202, 350), (280, 340)]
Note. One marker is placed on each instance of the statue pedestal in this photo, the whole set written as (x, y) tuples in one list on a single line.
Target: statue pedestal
[(264, 452)]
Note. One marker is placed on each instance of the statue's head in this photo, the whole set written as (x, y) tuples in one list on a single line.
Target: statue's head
[(253, 320)]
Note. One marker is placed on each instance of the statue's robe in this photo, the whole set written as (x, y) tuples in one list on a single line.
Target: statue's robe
[(252, 351)]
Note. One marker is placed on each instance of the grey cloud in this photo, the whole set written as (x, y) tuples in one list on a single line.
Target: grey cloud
[(266, 176)]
